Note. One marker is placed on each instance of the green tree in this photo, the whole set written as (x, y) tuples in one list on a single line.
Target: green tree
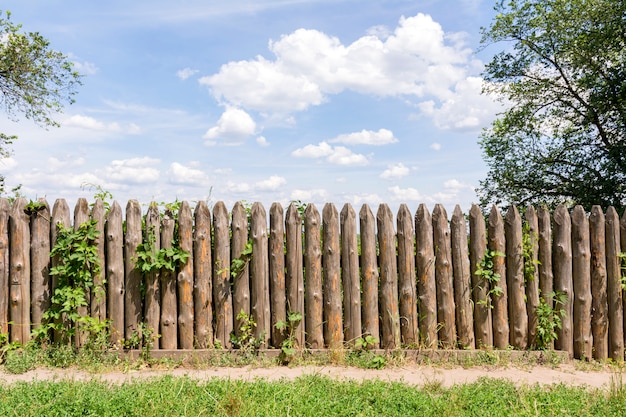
[(562, 137), (35, 81)]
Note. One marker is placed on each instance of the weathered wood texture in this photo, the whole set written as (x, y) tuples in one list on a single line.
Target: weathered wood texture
[(426, 283), (98, 292), (531, 273), (480, 286), (599, 306), (5, 208), (313, 299), (546, 277), (444, 280), (369, 272), (115, 272), (241, 276), (222, 297), (581, 277), (278, 300), (169, 305), (203, 277), (518, 316), (462, 280), (390, 315), (350, 273), (61, 218), (331, 263), (19, 273), (562, 261), (294, 280), (152, 300), (499, 299), (407, 286), (132, 280), (613, 285), (259, 275), (184, 279), (81, 216), (40, 262)]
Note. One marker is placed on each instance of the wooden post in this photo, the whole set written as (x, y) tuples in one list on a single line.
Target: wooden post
[(581, 276), (562, 261), (98, 292), (259, 275), (614, 285), (518, 317), (532, 280), (169, 304), (5, 208), (333, 325), (546, 278), (60, 218), (369, 271), (278, 301), (443, 275), (19, 260), (81, 216), (351, 276), (40, 262), (390, 314), (480, 287), (462, 280), (202, 283), (185, 278), (599, 306), (426, 285), (406, 278), (294, 280), (500, 315), (115, 272), (241, 278), (313, 302), (132, 301), (622, 234), (222, 298), (152, 308)]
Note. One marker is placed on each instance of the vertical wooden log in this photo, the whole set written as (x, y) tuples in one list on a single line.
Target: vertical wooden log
[(60, 219), (581, 276), (313, 302), (406, 278), (222, 298), (546, 277), (614, 285), (98, 292), (562, 261), (622, 234), (333, 326), (532, 280), (278, 301), (496, 242), (259, 275), (443, 275), (81, 216), (19, 260), (5, 208), (185, 278), (462, 280), (351, 276), (202, 283), (115, 272), (599, 303), (40, 262), (480, 287), (294, 280), (169, 304), (241, 278), (426, 284), (369, 271), (132, 279), (518, 317), (390, 313), (152, 307)]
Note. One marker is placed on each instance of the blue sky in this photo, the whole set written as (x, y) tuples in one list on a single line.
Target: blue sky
[(337, 101)]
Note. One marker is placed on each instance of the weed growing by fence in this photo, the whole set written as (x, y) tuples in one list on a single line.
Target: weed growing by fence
[(549, 318), (288, 327), (490, 277)]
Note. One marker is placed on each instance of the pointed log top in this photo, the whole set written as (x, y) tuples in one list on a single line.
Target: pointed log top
[(310, 208), (276, 208), (202, 208), (365, 212), (347, 212), (384, 212), (457, 212), (579, 212), (512, 214), (440, 211), (220, 208), (561, 215), (115, 208), (475, 211), (612, 212), (133, 206), (258, 209), (422, 212), (329, 210)]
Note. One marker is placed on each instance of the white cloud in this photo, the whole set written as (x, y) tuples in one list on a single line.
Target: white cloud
[(180, 174), (7, 164), (133, 170), (366, 137), (318, 194), (233, 127), (435, 146), (456, 185), (70, 161), (238, 187), (338, 155), (395, 171), (405, 194), (185, 73), (89, 123), (271, 184), (262, 141), (84, 68), (417, 59)]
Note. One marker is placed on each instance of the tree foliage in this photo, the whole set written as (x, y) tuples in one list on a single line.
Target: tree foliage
[(562, 137)]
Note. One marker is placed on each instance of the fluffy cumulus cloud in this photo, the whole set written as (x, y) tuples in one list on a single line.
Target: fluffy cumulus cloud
[(366, 137), (89, 123), (272, 183), (405, 194), (338, 155), (395, 171), (416, 60), (133, 170), (312, 195), (233, 128), (185, 73), (184, 175), (262, 141)]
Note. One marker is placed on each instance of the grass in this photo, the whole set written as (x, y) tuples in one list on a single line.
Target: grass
[(305, 396)]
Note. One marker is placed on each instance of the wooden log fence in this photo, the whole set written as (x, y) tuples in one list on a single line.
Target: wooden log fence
[(415, 285)]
